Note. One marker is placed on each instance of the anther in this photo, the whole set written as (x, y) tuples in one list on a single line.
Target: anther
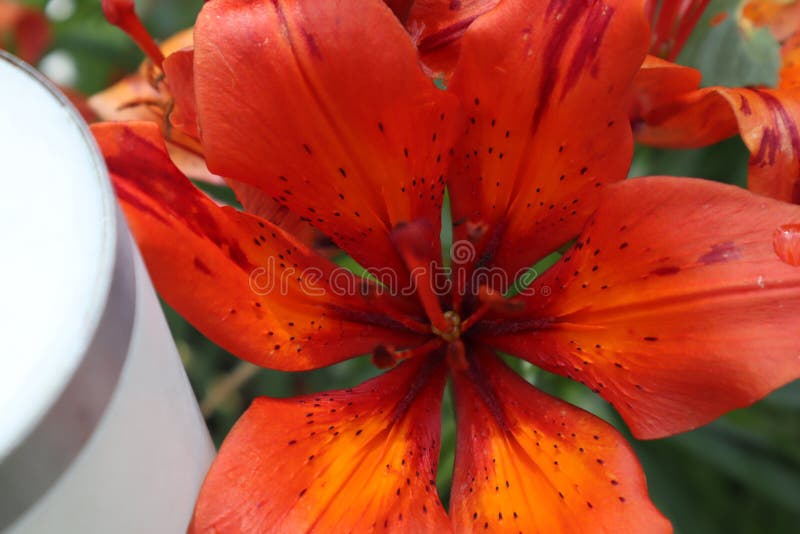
[(453, 332)]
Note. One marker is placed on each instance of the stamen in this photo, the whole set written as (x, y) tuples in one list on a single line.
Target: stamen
[(405, 320), (453, 332), (491, 300), (457, 356), (414, 243), (384, 357), (476, 231), (121, 13)]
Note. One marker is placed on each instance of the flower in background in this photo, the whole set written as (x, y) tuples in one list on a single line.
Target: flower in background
[(144, 95), (148, 95), (670, 303), (672, 110), (24, 30)]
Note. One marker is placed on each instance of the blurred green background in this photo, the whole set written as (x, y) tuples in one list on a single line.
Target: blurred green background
[(740, 474)]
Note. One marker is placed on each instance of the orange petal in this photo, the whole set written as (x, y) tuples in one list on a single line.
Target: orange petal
[(766, 119), (293, 99), (438, 25), (770, 127), (256, 202), (242, 281), (789, 75), (669, 114), (781, 16), (657, 82), (358, 460), (179, 77), (547, 104), (528, 462), (672, 305), (150, 95)]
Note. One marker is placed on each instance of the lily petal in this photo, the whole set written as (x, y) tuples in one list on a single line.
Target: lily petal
[(672, 305), (781, 17), (668, 112), (672, 22), (355, 141), (438, 25), (546, 99), (145, 96), (357, 460), (768, 121), (245, 283), (789, 75), (528, 462)]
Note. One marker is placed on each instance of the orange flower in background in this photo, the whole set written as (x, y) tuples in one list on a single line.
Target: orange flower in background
[(671, 303), (671, 110), (146, 95), (23, 30), (781, 16)]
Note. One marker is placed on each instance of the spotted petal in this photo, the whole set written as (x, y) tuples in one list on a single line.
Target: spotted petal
[(293, 99), (547, 103), (241, 280), (358, 460), (673, 304), (528, 462)]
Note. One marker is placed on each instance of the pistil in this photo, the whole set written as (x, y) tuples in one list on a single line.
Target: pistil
[(121, 13)]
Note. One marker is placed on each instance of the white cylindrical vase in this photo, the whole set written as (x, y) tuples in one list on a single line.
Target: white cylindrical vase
[(99, 429)]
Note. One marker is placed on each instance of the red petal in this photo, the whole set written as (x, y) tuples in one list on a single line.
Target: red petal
[(672, 305), (768, 124), (356, 460), (545, 85), (293, 98), (242, 281), (672, 22), (528, 462), (145, 96), (668, 113), (438, 26), (179, 76), (400, 8), (657, 82), (255, 202)]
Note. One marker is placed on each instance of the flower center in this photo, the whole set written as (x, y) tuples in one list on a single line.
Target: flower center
[(453, 333)]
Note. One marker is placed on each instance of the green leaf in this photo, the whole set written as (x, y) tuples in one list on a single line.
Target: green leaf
[(729, 56)]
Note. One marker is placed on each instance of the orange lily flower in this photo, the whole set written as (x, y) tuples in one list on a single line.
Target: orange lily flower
[(671, 304), (671, 110)]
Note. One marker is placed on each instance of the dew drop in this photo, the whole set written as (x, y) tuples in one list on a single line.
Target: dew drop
[(786, 242)]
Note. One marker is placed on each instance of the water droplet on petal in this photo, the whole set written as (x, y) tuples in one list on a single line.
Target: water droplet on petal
[(786, 241)]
